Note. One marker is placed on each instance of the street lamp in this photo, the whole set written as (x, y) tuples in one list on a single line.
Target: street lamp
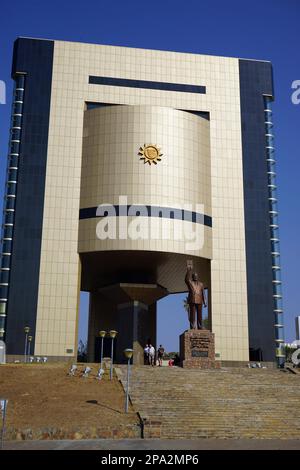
[(128, 354), (29, 345), (102, 334), (112, 334), (26, 331)]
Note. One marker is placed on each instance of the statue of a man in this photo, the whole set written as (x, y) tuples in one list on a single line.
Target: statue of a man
[(196, 298)]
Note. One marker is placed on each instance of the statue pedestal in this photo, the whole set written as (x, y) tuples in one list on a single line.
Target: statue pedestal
[(197, 350)]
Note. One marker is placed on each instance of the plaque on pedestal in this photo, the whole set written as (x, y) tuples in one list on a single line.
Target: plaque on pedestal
[(197, 350)]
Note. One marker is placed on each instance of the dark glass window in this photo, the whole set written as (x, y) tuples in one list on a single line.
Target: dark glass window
[(19, 95), (3, 292), (9, 217), (276, 274), (20, 81), (5, 261), (13, 161), (9, 203), (14, 147), (16, 134), (6, 246), (153, 211), (2, 322), (7, 231), (4, 277), (17, 108), (12, 175), (275, 248), (123, 82), (16, 121), (11, 189), (277, 290)]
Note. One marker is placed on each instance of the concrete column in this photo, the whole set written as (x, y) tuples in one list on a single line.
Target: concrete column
[(137, 325), (134, 321)]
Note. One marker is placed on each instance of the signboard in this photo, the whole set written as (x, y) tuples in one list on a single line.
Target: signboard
[(196, 353), (2, 353), (3, 406)]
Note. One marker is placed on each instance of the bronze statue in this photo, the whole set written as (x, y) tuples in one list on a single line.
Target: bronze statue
[(196, 298)]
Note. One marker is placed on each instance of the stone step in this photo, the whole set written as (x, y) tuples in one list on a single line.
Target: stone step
[(181, 403)]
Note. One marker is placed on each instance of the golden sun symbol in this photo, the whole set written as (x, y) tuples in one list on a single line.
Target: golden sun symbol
[(150, 153)]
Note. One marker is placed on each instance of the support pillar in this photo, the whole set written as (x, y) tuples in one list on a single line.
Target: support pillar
[(134, 321)]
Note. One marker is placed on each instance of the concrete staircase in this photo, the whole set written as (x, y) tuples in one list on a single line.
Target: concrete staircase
[(225, 403)]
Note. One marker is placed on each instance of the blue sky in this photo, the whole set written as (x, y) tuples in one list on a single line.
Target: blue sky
[(258, 29)]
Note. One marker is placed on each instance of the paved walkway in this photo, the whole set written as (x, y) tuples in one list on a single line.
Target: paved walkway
[(153, 444)]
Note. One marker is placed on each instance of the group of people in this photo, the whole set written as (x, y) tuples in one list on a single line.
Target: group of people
[(150, 356)]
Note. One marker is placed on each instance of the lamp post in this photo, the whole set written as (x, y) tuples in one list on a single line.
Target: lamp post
[(112, 334), (128, 354), (102, 334), (26, 331), (29, 345)]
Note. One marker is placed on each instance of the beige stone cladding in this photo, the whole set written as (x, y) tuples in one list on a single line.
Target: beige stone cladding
[(111, 166), (59, 280)]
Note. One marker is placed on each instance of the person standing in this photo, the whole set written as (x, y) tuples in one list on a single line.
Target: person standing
[(151, 355), (160, 354), (146, 355)]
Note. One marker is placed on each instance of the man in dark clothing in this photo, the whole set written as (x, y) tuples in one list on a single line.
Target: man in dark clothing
[(160, 354)]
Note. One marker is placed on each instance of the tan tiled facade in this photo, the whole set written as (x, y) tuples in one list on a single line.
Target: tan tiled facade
[(211, 150)]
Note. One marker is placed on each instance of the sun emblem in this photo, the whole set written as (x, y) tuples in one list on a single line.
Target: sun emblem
[(150, 154)]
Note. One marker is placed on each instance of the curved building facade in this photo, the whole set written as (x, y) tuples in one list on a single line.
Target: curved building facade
[(131, 163)]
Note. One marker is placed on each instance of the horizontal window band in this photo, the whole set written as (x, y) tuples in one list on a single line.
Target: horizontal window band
[(152, 211), (166, 86), (95, 104)]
